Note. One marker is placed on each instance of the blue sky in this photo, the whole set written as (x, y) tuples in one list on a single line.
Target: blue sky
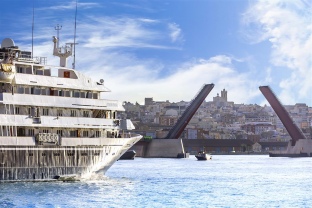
[(168, 49)]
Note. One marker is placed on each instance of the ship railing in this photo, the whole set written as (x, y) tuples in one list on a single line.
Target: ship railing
[(37, 60), (122, 135), (129, 135)]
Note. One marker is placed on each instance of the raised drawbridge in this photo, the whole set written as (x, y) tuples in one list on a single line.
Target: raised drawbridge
[(299, 145), (176, 131)]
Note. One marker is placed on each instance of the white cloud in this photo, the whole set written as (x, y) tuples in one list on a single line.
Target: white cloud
[(134, 80), (287, 26), (71, 5), (108, 32), (175, 32), (268, 78)]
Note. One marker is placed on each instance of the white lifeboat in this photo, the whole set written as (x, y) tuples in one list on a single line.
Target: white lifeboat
[(7, 67), (7, 72)]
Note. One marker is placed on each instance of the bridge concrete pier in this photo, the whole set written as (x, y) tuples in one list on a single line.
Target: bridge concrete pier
[(159, 148)]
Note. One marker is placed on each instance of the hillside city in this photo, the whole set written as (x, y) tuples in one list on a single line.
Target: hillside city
[(218, 119)]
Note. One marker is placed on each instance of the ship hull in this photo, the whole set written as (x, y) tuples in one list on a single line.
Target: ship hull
[(24, 163)]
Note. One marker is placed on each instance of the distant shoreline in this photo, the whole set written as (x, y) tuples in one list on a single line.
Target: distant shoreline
[(239, 153)]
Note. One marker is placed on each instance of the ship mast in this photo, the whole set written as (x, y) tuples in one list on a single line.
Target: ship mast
[(74, 62), (32, 31), (58, 28), (62, 52)]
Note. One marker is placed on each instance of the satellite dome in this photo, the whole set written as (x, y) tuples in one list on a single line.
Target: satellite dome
[(7, 42)]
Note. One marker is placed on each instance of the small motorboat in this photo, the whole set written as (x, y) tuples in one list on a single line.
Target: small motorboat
[(203, 156)]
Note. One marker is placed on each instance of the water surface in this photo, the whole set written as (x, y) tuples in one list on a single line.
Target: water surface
[(224, 181)]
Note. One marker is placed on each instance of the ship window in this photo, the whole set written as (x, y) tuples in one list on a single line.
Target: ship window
[(47, 72), (45, 111), (47, 91), (85, 113), (26, 90), (30, 154), (50, 92), (97, 133), (60, 93), (85, 133), (89, 95), (31, 132), (32, 89), (20, 89), (73, 113), (84, 154), (70, 153), (95, 95), (56, 154), (37, 91), (76, 94), (45, 131), (39, 72), (73, 133), (21, 132), (35, 112), (66, 93), (59, 132), (66, 74), (17, 110), (28, 70), (82, 94), (19, 70), (53, 92), (59, 113), (43, 91)]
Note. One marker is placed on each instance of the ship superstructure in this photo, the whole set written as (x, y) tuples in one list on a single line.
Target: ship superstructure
[(53, 121)]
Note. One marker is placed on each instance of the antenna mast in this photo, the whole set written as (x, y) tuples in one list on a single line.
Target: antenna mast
[(74, 62), (32, 31), (58, 28)]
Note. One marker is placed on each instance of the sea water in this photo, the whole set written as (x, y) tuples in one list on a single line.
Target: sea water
[(224, 181)]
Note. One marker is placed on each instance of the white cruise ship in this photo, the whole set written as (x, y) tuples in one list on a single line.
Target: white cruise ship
[(53, 122)]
